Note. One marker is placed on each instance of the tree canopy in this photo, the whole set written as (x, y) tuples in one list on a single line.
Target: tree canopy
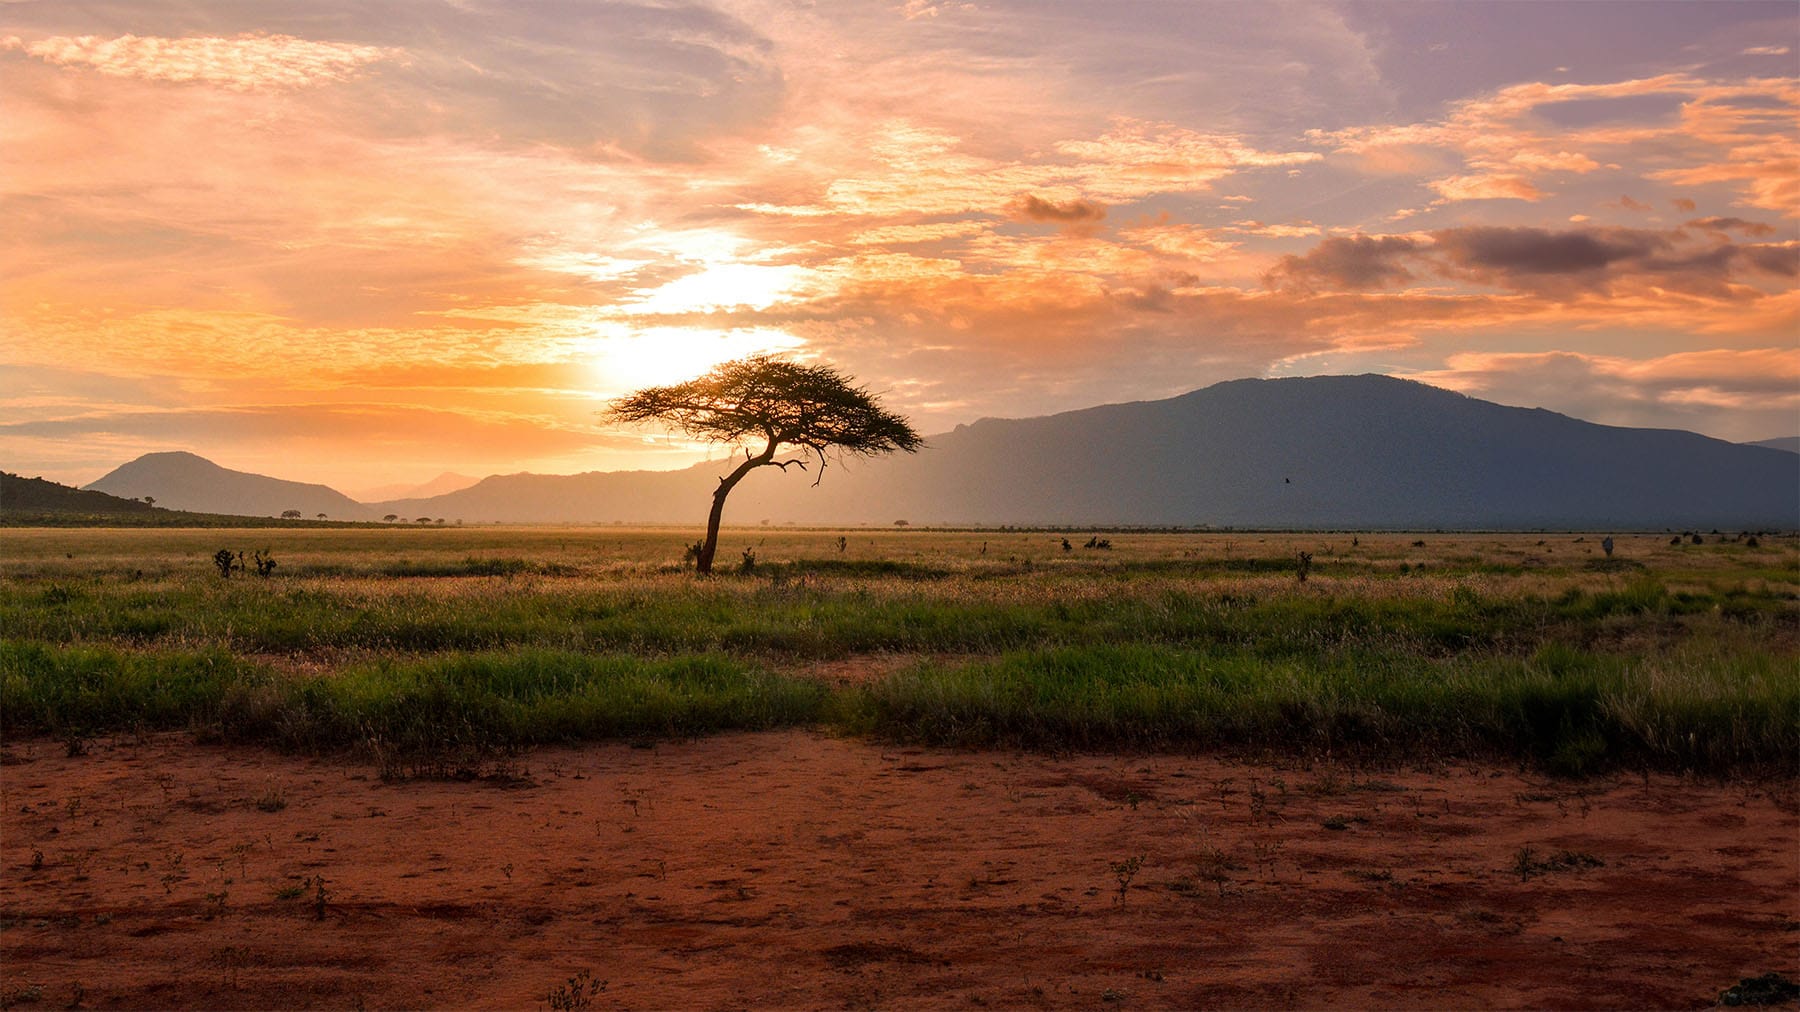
[(777, 403)]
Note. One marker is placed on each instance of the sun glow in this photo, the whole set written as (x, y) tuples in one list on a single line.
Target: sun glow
[(624, 359), (721, 286)]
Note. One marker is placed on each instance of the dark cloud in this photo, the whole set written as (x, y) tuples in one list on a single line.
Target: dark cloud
[(1555, 264), (1777, 260), (1755, 229), (1495, 251), (1682, 204), (1629, 204), (1357, 263), (1074, 212), (1603, 260)]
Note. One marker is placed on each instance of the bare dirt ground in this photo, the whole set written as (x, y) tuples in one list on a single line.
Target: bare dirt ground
[(797, 870)]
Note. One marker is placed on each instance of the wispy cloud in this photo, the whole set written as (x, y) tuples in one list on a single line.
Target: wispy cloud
[(1725, 131), (242, 63)]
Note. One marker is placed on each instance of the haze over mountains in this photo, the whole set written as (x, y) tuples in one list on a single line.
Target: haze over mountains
[(1334, 451), (444, 483)]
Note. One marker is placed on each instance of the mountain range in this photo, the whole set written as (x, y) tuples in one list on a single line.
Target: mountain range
[(449, 481), (1315, 452)]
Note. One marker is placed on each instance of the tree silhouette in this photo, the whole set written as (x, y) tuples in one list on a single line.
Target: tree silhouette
[(290, 514), (390, 518), (811, 408)]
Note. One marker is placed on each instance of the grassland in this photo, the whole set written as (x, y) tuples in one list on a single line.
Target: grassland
[(407, 642)]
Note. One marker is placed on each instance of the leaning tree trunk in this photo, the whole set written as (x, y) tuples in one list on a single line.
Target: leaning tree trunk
[(703, 562)]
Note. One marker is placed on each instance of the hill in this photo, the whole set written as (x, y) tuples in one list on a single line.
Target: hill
[(20, 495), (35, 502), (184, 481), (1788, 443), (1317, 452)]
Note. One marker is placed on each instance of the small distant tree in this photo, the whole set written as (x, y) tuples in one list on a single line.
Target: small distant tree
[(422, 520), (390, 518), (321, 516), (760, 400), (149, 500), (290, 514)]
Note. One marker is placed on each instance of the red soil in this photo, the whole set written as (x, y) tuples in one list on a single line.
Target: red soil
[(797, 870)]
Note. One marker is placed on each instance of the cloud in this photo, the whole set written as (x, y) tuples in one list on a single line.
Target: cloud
[(1356, 263), (906, 169), (1604, 261), (1135, 158), (1074, 212), (1491, 252), (1755, 229), (902, 235), (1725, 131), (1298, 230), (1738, 394), (1555, 264), (242, 63), (1486, 187), (914, 9)]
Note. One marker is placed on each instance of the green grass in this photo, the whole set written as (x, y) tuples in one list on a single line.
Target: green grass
[(1489, 645), (510, 699), (1571, 711), (394, 611)]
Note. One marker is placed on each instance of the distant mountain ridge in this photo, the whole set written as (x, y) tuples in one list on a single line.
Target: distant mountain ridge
[(184, 481), (1316, 452), (1789, 443), (443, 484), (1336, 451)]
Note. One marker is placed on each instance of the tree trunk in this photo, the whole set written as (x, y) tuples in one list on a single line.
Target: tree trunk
[(703, 562)]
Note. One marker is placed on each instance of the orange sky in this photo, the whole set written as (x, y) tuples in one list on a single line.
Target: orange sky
[(366, 243)]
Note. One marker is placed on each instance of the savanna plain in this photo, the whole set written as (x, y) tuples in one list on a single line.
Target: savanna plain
[(551, 768)]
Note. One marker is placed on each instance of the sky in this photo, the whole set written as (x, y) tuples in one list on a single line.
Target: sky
[(366, 243)]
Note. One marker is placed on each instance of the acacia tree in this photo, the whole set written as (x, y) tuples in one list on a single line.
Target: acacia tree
[(810, 408)]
